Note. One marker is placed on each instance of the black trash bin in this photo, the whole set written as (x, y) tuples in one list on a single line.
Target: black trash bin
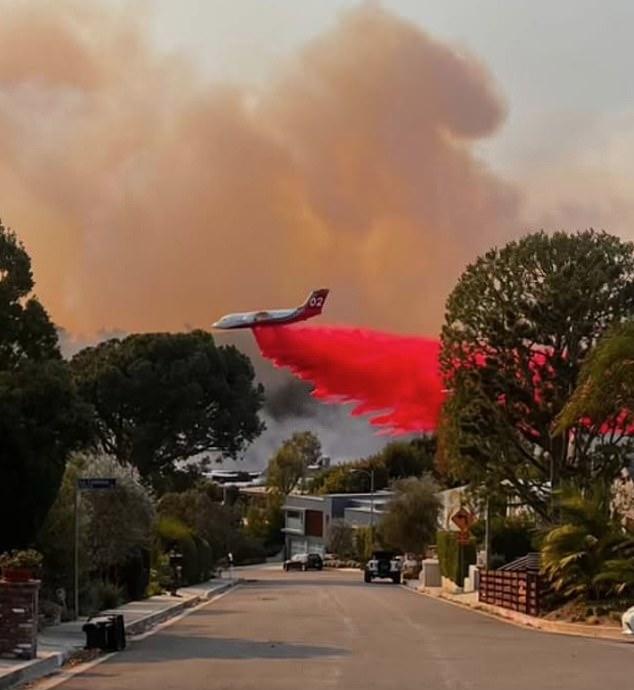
[(106, 633), (96, 632), (116, 633)]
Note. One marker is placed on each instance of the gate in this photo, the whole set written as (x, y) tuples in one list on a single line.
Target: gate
[(515, 590)]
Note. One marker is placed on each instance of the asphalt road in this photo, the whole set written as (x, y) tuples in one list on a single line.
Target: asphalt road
[(315, 631)]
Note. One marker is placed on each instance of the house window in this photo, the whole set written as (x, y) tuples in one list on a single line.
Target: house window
[(295, 520)]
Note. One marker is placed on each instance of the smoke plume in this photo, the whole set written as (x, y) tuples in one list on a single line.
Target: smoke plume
[(290, 408), (150, 199)]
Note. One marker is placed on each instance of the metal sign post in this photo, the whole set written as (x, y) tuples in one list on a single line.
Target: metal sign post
[(76, 557), (463, 520), (85, 484)]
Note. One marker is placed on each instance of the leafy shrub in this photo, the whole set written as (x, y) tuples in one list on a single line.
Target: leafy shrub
[(100, 596), (266, 522), (342, 563), (618, 573), (363, 544), (497, 560), (160, 575), (190, 562), (115, 529), (454, 559), (248, 551), (135, 573), (205, 558), (410, 521), (175, 535), (28, 558), (50, 612), (154, 587), (171, 529), (589, 556), (109, 596), (341, 539)]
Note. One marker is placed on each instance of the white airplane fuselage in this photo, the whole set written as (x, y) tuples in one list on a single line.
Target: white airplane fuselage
[(275, 317)]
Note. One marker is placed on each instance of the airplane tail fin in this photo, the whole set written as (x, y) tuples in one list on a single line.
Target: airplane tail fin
[(315, 302)]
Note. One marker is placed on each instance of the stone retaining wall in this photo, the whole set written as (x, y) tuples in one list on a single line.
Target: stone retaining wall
[(18, 618)]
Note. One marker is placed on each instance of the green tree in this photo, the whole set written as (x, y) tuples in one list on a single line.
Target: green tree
[(115, 533), (161, 398), (411, 520), (341, 539), (26, 332), (518, 325), (41, 417), (216, 523), (56, 538), (365, 540), (265, 523), (605, 387), (398, 460), (288, 466), (342, 479), (414, 458), (121, 520), (308, 446)]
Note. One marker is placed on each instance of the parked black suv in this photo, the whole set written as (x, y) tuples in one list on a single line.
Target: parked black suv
[(384, 564)]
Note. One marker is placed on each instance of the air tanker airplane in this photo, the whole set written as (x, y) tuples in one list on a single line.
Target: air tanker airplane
[(276, 317)]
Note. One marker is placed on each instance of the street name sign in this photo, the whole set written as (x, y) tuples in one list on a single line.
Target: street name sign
[(96, 483)]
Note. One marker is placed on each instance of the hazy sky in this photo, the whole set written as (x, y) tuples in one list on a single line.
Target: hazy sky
[(564, 67), (167, 161), (197, 155)]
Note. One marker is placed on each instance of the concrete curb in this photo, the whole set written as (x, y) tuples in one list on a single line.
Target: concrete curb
[(524, 621), (47, 664), (35, 669), (144, 624)]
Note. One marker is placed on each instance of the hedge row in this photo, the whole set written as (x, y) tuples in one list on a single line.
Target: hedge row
[(454, 558), (198, 560)]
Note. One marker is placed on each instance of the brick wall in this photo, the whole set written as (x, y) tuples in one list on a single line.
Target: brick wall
[(18, 618)]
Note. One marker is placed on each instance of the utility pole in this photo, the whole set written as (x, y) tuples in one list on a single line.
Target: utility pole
[(370, 474), (76, 556), (85, 484), (487, 535), (372, 507)]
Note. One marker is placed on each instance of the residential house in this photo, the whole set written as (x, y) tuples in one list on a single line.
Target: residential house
[(308, 518)]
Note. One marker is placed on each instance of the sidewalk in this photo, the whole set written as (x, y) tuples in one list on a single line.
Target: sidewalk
[(57, 643), (470, 601)]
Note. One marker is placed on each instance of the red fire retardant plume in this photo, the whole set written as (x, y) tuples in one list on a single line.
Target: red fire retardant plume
[(393, 375), (396, 376)]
